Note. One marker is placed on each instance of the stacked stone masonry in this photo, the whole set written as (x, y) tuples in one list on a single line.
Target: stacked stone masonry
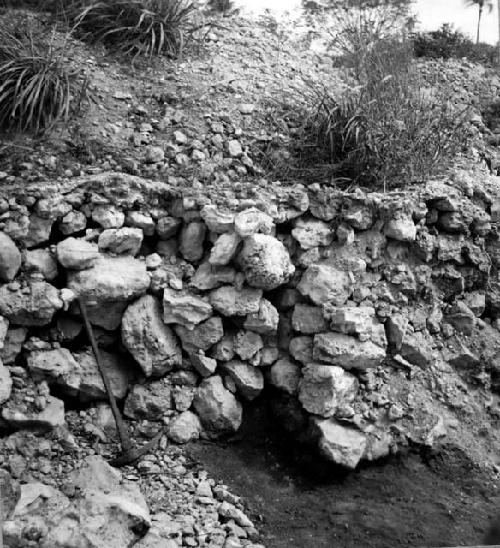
[(200, 304)]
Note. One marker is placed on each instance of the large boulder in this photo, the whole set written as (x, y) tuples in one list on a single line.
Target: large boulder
[(360, 321), (285, 375), (10, 258), (191, 241), (149, 401), (111, 279), (51, 365), (229, 301), (121, 241), (87, 380), (12, 344), (5, 383), (265, 262), (219, 411), (347, 352), (77, 254), (265, 321), (308, 319), (325, 284), (209, 277), (340, 444), (184, 428), (252, 221), (248, 379), (185, 308), (325, 388), (145, 335), (33, 305), (224, 249), (312, 233), (202, 336)]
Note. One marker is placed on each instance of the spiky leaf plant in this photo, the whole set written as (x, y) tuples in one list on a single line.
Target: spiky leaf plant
[(134, 27), (37, 86)]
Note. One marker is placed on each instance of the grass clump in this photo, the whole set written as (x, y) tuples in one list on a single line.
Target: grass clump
[(133, 27), (447, 43), (38, 88), (385, 131)]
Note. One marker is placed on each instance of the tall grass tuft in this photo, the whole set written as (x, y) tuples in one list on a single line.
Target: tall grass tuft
[(37, 87), (133, 27)]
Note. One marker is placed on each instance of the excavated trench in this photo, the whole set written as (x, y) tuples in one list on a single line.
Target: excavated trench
[(330, 355)]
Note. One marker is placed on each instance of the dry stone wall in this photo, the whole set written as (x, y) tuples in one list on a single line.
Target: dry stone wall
[(330, 302)]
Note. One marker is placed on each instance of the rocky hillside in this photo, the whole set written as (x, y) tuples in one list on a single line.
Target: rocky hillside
[(369, 320)]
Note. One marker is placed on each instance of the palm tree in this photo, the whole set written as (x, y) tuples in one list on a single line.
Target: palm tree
[(481, 4)]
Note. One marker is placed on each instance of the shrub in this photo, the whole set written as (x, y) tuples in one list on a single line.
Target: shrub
[(37, 87), (386, 132), (133, 27), (447, 43)]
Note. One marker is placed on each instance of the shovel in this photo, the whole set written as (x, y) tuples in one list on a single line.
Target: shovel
[(129, 453)]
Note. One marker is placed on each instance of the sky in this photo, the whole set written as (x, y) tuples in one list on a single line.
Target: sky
[(431, 13)]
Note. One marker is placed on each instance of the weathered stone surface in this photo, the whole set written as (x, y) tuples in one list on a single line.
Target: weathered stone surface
[(218, 221), (5, 383), (285, 375), (142, 221), (224, 249), (148, 401), (51, 417), (308, 319), (202, 336), (105, 314), (247, 344), (184, 428), (74, 221), (121, 241), (210, 277), (191, 241), (347, 352), (167, 227), (402, 229), (87, 380), (75, 254), (12, 344), (33, 306), (108, 216), (351, 320), (325, 388), (230, 301), (50, 365), (38, 232), (324, 283), (249, 380), (340, 444), (312, 233), (10, 258), (205, 365), (152, 344), (4, 327), (265, 321), (224, 349), (252, 221), (219, 411), (395, 329), (43, 261), (185, 308), (416, 349), (265, 262), (359, 214), (301, 348), (111, 279)]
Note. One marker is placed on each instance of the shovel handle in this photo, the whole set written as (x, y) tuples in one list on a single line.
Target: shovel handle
[(125, 440)]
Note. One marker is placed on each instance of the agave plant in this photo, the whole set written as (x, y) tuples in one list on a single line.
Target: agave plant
[(134, 27), (37, 87)]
